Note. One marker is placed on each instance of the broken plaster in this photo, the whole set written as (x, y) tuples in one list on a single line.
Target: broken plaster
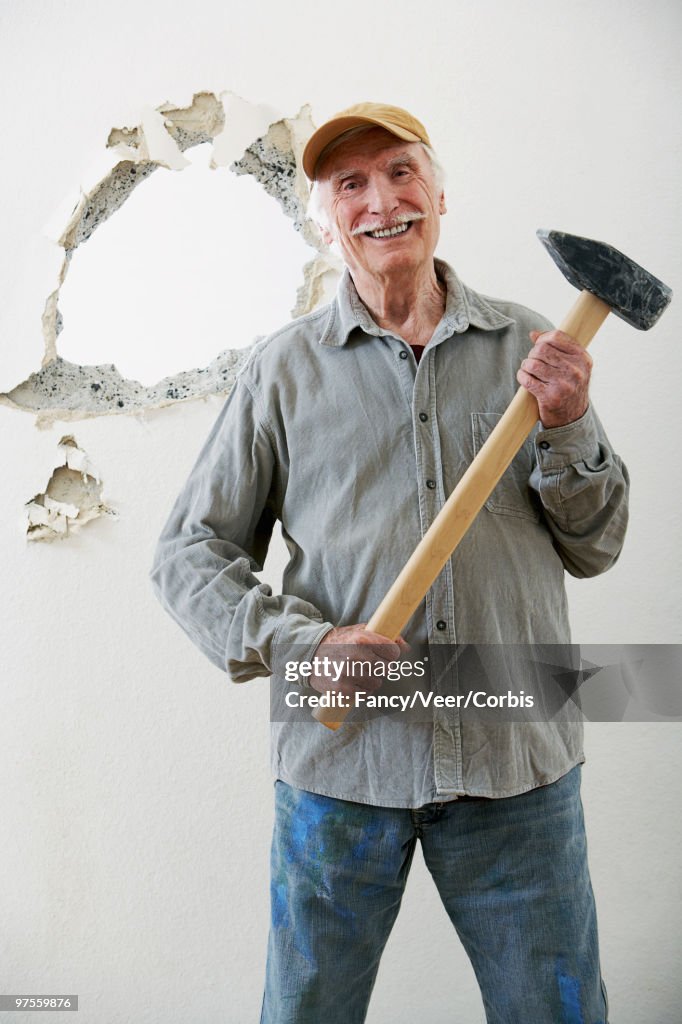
[(61, 390), (72, 497)]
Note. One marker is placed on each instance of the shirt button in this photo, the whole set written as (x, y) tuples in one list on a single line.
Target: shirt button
[(441, 625), (545, 445), (403, 354), (423, 417), (430, 484)]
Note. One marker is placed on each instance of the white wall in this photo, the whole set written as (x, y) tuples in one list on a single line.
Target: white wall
[(136, 798)]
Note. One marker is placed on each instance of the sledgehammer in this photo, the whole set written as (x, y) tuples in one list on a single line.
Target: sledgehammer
[(609, 282)]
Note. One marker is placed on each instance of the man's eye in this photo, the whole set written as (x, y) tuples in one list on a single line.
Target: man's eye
[(348, 185)]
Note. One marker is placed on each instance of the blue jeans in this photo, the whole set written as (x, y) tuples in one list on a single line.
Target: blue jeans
[(513, 877)]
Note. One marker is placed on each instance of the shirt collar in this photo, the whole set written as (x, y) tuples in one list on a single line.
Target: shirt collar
[(464, 308)]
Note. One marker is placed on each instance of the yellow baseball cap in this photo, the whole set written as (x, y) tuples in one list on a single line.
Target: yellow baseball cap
[(394, 119)]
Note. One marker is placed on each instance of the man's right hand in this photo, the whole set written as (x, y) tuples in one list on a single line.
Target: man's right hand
[(352, 644)]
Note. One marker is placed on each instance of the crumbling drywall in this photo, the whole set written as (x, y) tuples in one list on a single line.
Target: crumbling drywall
[(248, 139), (73, 497)]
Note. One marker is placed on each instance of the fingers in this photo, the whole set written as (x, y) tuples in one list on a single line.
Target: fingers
[(570, 372), (362, 650), (376, 640), (557, 372), (556, 388), (558, 338), (555, 359), (551, 343), (359, 635)]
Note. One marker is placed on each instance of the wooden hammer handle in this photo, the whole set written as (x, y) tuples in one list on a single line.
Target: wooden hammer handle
[(473, 490)]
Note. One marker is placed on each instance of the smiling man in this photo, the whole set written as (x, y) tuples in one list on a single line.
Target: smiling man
[(351, 426), (381, 209)]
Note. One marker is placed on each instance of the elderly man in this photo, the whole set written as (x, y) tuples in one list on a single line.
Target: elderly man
[(351, 426)]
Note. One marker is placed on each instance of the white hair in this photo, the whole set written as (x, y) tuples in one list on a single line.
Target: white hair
[(315, 210)]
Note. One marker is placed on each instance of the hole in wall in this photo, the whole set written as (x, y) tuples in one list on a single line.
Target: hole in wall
[(144, 323), (193, 263)]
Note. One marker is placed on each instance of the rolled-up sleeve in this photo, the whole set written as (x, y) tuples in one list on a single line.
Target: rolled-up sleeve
[(214, 540), (583, 486)]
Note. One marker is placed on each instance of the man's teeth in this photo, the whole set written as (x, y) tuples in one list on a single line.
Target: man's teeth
[(387, 232)]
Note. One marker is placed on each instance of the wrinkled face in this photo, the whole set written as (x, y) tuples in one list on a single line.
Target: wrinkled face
[(382, 203)]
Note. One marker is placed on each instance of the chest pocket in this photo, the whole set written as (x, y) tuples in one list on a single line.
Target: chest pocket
[(512, 496)]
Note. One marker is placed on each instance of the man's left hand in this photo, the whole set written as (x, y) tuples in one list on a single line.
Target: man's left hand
[(557, 371)]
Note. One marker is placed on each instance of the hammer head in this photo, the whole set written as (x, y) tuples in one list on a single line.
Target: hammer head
[(633, 294)]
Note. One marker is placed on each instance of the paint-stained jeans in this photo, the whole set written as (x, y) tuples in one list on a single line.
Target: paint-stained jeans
[(512, 874)]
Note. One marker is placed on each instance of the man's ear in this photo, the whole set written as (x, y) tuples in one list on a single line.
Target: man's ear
[(442, 208), (327, 236)]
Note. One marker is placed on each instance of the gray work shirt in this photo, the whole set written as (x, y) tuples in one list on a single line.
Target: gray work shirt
[(334, 429)]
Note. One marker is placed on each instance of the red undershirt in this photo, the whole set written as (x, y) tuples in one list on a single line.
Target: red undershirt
[(417, 349)]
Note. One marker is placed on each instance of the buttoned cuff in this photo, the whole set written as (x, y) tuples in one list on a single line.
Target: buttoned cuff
[(297, 639), (557, 447)]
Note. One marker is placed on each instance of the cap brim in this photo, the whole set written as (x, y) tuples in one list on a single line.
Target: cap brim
[(332, 129)]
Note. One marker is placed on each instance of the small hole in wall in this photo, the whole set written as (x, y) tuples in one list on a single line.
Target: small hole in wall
[(195, 261)]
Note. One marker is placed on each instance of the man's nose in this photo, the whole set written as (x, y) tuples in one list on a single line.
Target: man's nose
[(381, 197)]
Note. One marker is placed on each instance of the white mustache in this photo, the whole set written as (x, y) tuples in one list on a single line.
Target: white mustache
[(401, 218)]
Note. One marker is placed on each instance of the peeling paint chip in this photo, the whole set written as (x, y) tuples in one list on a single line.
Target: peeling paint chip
[(72, 498)]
